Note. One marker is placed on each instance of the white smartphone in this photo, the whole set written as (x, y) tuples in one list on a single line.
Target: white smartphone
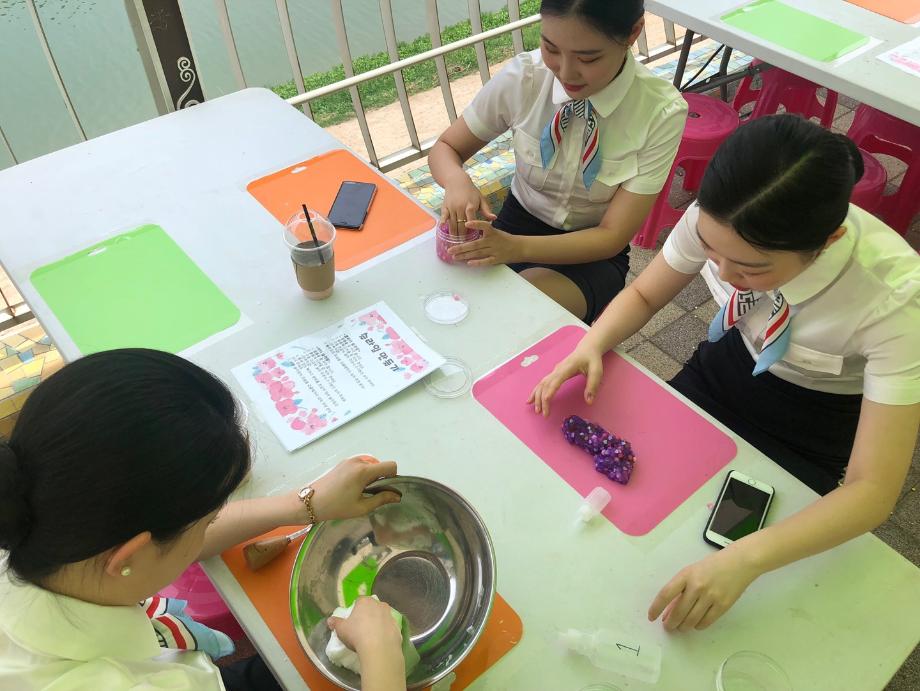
[(740, 509)]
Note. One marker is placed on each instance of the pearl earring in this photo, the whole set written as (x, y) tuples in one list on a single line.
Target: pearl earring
[(126, 571)]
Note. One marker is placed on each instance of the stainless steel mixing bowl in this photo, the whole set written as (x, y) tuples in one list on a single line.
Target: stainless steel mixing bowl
[(429, 556)]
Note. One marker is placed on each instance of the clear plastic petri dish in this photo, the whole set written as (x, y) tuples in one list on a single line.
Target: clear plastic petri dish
[(751, 671), (446, 307), (450, 380)]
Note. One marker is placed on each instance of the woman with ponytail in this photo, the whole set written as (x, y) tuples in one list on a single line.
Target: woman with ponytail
[(814, 357)]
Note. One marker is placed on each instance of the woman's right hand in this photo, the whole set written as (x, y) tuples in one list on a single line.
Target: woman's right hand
[(370, 630), (582, 360), (340, 493), (462, 203)]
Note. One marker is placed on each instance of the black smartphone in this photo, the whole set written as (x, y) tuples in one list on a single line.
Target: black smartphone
[(740, 509), (351, 204)]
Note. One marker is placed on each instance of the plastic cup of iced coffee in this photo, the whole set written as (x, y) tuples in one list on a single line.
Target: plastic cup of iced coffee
[(313, 258)]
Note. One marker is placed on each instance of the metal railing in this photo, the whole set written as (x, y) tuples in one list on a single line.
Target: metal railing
[(11, 313), (419, 149), (387, 161)]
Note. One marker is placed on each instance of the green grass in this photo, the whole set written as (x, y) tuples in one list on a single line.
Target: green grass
[(337, 107)]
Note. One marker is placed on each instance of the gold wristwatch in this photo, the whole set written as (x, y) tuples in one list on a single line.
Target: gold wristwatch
[(306, 496)]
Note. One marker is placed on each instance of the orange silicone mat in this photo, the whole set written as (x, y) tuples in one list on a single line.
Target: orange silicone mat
[(906, 11), (392, 219), (268, 589)]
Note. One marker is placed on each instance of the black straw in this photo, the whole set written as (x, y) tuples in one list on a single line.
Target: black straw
[(306, 213)]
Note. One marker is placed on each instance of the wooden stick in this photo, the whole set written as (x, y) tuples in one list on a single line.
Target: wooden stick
[(261, 552)]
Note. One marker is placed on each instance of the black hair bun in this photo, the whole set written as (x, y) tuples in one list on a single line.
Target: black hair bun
[(856, 159), (14, 507)]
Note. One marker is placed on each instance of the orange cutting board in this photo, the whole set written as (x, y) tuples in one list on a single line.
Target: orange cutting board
[(907, 11), (393, 217), (268, 589)]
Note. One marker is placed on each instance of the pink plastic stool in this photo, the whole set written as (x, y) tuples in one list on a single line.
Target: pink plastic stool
[(709, 123), (867, 194), (204, 604), (880, 133)]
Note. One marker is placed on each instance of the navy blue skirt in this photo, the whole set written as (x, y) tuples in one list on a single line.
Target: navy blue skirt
[(598, 281), (809, 433)]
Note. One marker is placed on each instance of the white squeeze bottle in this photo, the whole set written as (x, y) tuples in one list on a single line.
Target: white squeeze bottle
[(616, 651)]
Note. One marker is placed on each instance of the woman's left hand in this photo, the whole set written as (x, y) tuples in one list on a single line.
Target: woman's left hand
[(701, 593), (340, 492), (494, 247)]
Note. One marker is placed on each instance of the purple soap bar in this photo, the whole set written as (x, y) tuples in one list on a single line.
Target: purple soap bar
[(613, 457), (586, 435), (617, 469)]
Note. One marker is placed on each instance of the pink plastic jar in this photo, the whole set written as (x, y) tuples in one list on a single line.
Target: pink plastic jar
[(445, 240)]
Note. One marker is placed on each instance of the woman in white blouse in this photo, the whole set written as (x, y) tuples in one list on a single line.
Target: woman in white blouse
[(814, 357), (595, 135), (114, 481)]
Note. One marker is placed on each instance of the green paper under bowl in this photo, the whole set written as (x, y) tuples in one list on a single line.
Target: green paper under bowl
[(429, 556)]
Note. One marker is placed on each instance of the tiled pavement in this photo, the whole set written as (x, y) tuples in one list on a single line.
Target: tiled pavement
[(26, 356)]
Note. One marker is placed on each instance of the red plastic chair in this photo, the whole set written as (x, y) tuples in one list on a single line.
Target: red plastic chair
[(781, 88), (709, 123), (880, 133), (867, 194), (777, 88)]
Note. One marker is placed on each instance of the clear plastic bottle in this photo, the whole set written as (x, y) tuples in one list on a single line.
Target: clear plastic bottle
[(616, 651)]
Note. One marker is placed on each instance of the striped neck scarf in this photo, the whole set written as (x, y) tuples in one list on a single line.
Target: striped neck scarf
[(177, 630), (555, 129), (776, 335)]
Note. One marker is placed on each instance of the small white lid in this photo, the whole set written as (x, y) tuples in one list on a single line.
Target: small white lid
[(446, 307), (572, 639)]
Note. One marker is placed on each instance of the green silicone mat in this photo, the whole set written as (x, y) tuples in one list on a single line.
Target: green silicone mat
[(137, 289), (795, 30)]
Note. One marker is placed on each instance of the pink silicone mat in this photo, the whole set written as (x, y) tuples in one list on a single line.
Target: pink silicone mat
[(676, 449)]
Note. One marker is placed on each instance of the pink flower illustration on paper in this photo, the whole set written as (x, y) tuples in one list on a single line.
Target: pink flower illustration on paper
[(372, 320), (402, 348), (279, 390), (271, 375), (315, 422), (286, 407)]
